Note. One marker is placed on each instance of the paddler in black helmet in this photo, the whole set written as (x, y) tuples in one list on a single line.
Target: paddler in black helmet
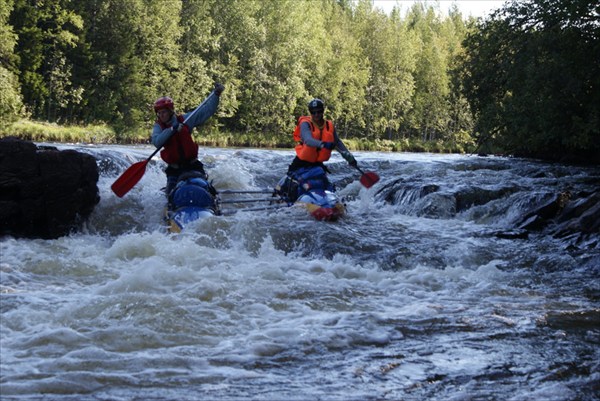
[(315, 138)]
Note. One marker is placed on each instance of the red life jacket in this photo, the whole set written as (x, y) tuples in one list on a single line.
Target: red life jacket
[(180, 148), (310, 153)]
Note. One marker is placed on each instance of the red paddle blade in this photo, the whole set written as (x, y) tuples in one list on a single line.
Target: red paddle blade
[(369, 179), (129, 178)]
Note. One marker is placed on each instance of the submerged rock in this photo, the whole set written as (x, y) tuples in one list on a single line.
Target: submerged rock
[(573, 217), (44, 192)]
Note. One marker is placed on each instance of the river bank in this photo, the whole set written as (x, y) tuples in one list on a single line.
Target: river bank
[(461, 143), (37, 131)]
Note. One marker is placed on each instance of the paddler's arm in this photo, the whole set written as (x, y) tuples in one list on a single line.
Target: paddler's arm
[(159, 135), (339, 145), (207, 110), (306, 135)]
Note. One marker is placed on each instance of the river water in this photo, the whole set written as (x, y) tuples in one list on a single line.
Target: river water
[(411, 296)]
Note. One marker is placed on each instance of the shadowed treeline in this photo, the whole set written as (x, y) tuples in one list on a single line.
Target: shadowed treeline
[(520, 82)]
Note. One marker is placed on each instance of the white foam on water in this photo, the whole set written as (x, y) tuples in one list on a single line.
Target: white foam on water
[(260, 305)]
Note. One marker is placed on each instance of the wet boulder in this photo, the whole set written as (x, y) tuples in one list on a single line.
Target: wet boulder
[(44, 192), (540, 216), (400, 191), (470, 196), (575, 217), (581, 216)]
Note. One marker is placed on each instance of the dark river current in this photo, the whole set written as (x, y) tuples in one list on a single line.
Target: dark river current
[(419, 293)]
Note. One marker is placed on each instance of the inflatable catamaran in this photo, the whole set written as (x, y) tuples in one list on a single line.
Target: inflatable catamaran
[(311, 189), (195, 198)]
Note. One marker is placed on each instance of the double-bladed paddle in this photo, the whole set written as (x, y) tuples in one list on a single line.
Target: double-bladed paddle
[(133, 174)]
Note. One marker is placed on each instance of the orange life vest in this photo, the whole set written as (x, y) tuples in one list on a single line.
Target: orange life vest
[(180, 148), (310, 153)]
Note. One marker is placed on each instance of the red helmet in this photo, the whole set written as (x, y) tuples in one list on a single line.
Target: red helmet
[(164, 102)]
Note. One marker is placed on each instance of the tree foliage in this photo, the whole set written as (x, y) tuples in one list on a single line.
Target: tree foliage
[(10, 97), (525, 73), (532, 74)]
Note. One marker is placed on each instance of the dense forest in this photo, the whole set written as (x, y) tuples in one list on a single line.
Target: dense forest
[(523, 81)]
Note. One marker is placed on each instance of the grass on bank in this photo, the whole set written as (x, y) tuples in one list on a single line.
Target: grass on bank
[(49, 132), (103, 134), (224, 140)]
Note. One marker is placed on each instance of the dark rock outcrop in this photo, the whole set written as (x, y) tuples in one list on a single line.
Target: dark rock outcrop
[(579, 216), (572, 217), (44, 192), (566, 215)]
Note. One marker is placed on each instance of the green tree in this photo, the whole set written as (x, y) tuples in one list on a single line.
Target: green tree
[(390, 50), (461, 118), (533, 76), (346, 75), (11, 104), (197, 66), (380, 75), (266, 39), (431, 113), (236, 36), (132, 57), (46, 31)]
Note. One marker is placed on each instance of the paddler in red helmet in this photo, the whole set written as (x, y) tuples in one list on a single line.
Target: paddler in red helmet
[(180, 151)]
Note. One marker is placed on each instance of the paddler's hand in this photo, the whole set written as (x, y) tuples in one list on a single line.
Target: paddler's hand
[(219, 88), (327, 145), (350, 159), (180, 127)]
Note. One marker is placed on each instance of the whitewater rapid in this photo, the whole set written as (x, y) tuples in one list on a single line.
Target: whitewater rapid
[(404, 298)]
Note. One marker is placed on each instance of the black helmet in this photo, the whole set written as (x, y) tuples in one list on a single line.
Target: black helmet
[(316, 104)]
